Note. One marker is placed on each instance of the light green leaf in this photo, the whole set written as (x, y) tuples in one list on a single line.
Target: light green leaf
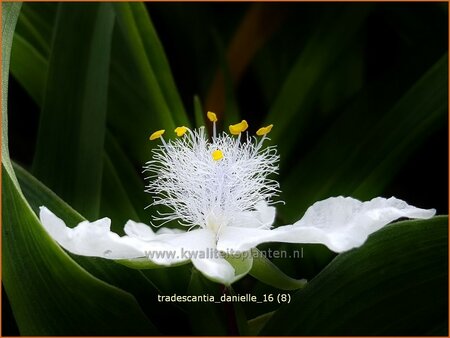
[(241, 263), (10, 12), (267, 272)]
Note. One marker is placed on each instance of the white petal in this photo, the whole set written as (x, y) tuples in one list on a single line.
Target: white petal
[(162, 231), (199, 246), (91, 239), (339, 223), (166, 247), (262, 217), (139, 230), (216, 269)]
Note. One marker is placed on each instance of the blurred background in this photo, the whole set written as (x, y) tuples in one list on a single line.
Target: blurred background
[(357, 93), (380, 51)]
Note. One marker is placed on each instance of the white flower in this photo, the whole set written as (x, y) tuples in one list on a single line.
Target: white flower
[(222, 191)]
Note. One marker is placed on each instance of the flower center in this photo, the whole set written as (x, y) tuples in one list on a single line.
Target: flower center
[(209, 182)]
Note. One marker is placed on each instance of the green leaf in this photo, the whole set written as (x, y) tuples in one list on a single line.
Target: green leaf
[(31, 47), (242, 263), (154, 51), (144, 263), (35, 25), (217, 314), (10, 12), (29, 67), (198, 112), (379, 146), (395, 284), (240, 317), (43, 283), (256, 324), (267, 272), (142, 96), (115, 203), (128, 186), (293, 104), (69, 153)]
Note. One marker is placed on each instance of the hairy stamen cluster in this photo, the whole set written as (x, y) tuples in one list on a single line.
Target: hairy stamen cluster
[(207, 183)]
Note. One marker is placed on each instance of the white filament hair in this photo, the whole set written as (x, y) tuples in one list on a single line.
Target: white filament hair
[(184, 177)]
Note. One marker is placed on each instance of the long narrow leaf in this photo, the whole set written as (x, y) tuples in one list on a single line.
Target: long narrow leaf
[(376, 148), (10, 12), (70, 141)]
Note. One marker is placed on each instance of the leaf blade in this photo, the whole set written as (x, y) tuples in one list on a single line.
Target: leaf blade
[(10, 13), (39, 279), (74, 108), (404, 259)]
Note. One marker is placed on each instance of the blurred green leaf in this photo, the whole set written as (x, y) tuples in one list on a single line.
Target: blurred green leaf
[(35, 25), (43, 283), (113, 196), (216, 321), (134, 16), (256, 324), (240, 317), (10, 13), (267, 272), (292, 105), (31, 47), (377, 148), (395, 284), (69, 151), (129, 185), (29, 67), (142, 88), (198, 112)]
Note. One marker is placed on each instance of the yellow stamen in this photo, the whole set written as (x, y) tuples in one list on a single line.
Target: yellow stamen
[(180, 131), (264, 130), (236, 129), (217, 155), (211, 116), (156, 134)]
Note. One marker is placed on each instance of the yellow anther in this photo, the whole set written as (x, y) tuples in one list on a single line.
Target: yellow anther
[(244, 125), (264, 130), (238, 128), (180, 131), (211, 116), (217, 155), (156, 134)]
